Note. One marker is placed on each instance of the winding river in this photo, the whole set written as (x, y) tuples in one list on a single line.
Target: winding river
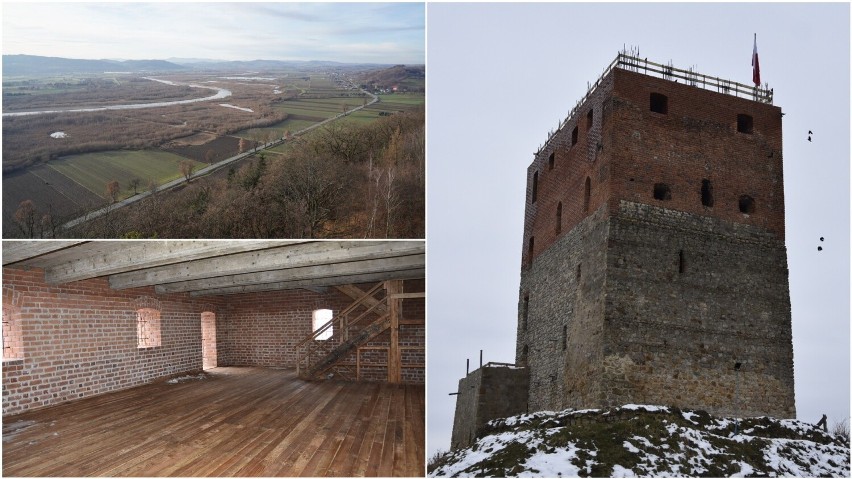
[(220, 93)]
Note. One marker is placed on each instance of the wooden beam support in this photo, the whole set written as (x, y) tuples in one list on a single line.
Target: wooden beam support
[(114, 257), (287, 257), (15, 251), (334, 281), (392, 288), (319, 272)]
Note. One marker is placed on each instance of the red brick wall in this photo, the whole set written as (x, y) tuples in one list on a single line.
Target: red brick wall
[(697, 139), (80, 340), (263, 329), (629, 148)]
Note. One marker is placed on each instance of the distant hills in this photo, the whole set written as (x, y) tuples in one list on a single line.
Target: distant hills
[(411, 77), (33, 65)]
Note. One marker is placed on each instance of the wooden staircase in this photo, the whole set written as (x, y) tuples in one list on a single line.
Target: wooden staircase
[(356, 325)]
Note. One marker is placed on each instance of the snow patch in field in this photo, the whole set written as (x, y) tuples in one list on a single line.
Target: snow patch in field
[(58, 134), (228, 105), (277, 92)]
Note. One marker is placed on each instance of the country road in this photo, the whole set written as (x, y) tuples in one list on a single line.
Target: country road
[(209, 169)]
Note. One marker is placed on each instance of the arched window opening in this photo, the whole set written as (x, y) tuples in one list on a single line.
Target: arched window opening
[(525, 314), (148, 328), (746, 204), (322, 322), (587, 194), (681, 268), (551, 160), (13, 343), (574, 136), (564, 337), (590, 117), (559, 218)]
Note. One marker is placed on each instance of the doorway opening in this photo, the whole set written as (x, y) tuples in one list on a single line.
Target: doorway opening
[(208, 340)]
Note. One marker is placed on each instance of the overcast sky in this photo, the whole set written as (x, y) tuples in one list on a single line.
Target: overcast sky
[(343, 32), (502, 75)]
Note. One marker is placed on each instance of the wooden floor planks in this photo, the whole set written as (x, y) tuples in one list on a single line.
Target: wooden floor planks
[(237, 422)]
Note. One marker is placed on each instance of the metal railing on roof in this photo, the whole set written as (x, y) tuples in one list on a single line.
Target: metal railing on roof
[(667, 72)]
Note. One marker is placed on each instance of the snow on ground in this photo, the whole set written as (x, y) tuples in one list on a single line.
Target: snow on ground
[(228, 105), (647, 441), (58, 134)]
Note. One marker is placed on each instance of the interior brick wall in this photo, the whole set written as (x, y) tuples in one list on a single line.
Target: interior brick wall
[(80, 339)]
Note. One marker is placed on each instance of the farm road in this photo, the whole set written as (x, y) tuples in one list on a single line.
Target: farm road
[(209, 169)]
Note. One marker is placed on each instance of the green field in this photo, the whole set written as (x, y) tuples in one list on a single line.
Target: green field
[(403, 99), (94, 170)]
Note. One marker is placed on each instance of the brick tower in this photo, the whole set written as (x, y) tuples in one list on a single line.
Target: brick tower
[(654, 266)]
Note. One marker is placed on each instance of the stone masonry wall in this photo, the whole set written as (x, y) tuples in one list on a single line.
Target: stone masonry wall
[(561, 338), (490, 392), (688, 297)]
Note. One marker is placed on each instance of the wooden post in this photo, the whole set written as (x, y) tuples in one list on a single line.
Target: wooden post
[(393, 287)]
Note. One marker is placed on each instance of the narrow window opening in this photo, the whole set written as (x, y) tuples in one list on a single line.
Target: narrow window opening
[(659, 103), (590, 116), (745, 123), (551, 160), (574, 136), (525, 355), (530, 249), (208, 340), (587, 194), (322, 324), (564, 337), (746, 204), (579, 270), (681, 263), (13, 347), (706, 193), (559, 218), (525, 314), (148, 328), (534, 187), (662, 192)]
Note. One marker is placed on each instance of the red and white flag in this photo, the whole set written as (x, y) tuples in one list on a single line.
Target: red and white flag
[(755, 65)]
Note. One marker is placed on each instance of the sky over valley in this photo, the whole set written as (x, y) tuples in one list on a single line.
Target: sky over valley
[(389, 33)]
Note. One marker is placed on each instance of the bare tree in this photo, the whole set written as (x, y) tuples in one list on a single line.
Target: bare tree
[(25, 216), (134, 183), (112, 190), (243, 145), (186, 168), (840, 430), (209, 156)]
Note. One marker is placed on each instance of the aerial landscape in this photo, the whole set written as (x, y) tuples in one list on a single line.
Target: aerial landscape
[(321, 137)]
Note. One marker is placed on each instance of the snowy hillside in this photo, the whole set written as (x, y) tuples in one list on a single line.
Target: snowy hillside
[(647, 441)]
